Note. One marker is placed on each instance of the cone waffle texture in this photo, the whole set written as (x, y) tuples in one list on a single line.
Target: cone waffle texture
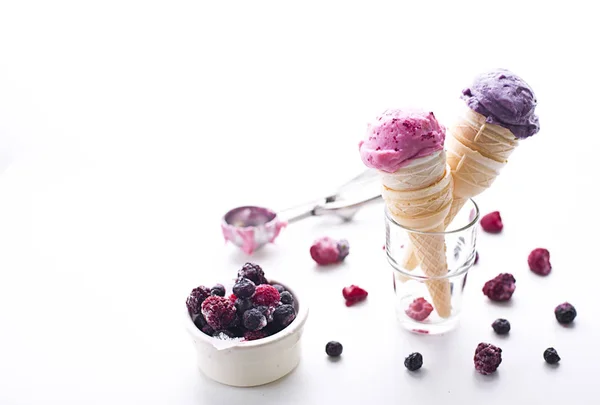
[(419, 197)]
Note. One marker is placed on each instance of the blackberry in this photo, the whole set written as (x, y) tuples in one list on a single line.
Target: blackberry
[(254, 320), (286, 298), (500, 288), (501, 326), (244, 288), (196, 298), (487, 358), (565, 313), (334, 349), (551, 356), (284, 315), (218, 289), (414, 361), (253, 272)]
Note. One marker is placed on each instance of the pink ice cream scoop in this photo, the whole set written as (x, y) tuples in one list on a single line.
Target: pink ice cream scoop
[(397, 136)]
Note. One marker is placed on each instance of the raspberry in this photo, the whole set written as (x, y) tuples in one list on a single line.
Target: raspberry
[(244, 288), (565, 313), (254, 319), (232, 298), (284, 315), (266, 294), (492, 222), (354, 294), (253, 272), (487, 358), (419, 309), (343, 248), (218, 289), (279, 288), (286, 297), (501, 326), (551, 356), (196, 298), (334, 349), (500, 288), (325, 251), (255, 334), (539, 261), (414, 361), (219, 312)]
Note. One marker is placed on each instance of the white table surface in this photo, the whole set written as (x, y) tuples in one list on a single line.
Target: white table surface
[(127, 128)]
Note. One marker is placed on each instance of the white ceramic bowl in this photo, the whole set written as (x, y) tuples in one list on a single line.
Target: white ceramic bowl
[(257, 362)]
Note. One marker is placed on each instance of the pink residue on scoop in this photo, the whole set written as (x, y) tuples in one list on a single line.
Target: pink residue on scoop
[(251, 227), (397, 136)]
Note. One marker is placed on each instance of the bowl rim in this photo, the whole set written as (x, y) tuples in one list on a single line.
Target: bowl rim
[(296, 325)]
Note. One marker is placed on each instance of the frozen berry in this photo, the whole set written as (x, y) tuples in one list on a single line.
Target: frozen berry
[(218, 289), (232, 298), (492, 222), (539, 261), (354, 294), (284, 315), (199, 321), (255, 334), (253, 272), (266, 294), (279, 288), (223, 334), (419, 309), (565, 313), (219, 312), (334, 349), (343, 249), (476, 258), (286, 298), (242, 305), (267, 312), (254, 319), (244, 288), (414, 361), (501, 326), (196, 298), (325, 251), (551, 356), (207, 330), (487, 358), (500, 288)]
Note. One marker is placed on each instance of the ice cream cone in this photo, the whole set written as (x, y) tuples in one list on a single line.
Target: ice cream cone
[(419, 197)]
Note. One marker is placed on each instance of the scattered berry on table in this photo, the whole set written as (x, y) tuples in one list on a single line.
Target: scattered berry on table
[(565, 313), (487, 358), (501, 326), (218, 289), (254, 319), (551, 356), (492, 222), (244, 288), (283, 315), (326, 250), (286, 298), (419, 309), (414, 361), (334, 349), (196, 298), (255, 334), (219, 312), (279, 288), (539, 261), (266, 294), (253, 272), (354, 294), (500, 288)]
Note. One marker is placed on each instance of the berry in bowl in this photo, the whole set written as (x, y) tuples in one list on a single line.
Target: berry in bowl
[(246, 332)]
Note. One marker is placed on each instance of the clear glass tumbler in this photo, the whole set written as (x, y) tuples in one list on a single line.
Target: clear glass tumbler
[(416, 280)]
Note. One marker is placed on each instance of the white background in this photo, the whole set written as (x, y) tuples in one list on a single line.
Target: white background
[(128, 128)]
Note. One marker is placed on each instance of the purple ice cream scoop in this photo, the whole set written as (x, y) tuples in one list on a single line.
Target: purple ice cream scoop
[(506, 100)]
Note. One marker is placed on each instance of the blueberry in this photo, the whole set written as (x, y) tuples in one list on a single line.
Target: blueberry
[(279, 288), (284, 315), (254, 320), (199, 321), (334, 349), (565, 313), (414, 361), (286, 298), (242, 305), (244, 288), (218, 289), (267, 312), (501, 326), (551, 356)]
